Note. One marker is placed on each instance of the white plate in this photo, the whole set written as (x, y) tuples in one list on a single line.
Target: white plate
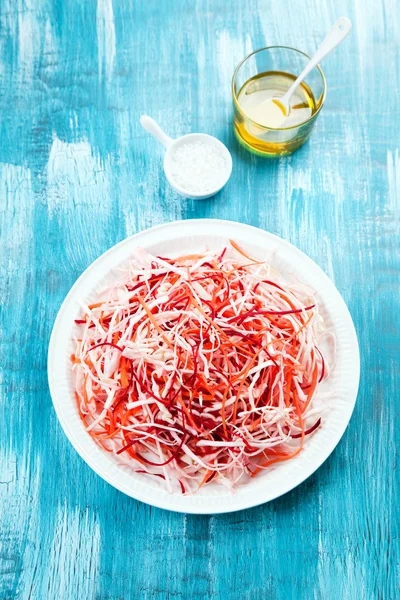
[(185, 237)]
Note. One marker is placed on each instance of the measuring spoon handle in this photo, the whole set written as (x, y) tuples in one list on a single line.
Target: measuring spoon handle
[(333, 38), (155, 130)]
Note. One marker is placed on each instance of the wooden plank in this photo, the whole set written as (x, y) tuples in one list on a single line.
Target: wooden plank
[(78, 174)]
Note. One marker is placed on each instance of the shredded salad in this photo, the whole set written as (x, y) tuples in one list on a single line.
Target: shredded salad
[(200, 368)]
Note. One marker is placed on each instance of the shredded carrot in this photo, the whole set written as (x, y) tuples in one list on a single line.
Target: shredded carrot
[(240, 250), (312, 388)]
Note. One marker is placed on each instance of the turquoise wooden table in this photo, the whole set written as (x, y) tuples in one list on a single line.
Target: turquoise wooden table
[(78, 174)]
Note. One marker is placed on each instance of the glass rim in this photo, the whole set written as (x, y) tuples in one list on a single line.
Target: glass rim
[(235, 99)]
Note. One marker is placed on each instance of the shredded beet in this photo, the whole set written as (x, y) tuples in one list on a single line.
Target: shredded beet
[(200, 368), (313, 428)]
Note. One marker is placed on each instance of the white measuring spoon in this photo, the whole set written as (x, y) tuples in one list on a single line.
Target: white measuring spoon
[(172, 145), (273, 111)]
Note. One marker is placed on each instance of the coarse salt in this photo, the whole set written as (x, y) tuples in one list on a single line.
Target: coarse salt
[(198, 167)]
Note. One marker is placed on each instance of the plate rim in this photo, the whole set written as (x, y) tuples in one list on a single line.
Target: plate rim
[(169, 505)]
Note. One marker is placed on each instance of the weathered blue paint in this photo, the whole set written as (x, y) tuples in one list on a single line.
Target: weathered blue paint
[(77, 174)]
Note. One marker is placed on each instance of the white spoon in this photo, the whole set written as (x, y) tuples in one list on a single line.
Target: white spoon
[(172, 145), (273, 111)]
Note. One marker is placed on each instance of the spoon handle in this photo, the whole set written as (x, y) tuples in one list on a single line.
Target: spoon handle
[(155, 130), (337, 33)]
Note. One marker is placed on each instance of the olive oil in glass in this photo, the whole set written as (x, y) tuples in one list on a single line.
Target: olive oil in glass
[(258, 123), (262, 129)]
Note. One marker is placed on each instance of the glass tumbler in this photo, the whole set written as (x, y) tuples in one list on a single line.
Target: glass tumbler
[(269, 141)]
